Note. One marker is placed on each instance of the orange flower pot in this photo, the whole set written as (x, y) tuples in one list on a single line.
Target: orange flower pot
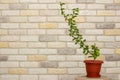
[(93, 68)]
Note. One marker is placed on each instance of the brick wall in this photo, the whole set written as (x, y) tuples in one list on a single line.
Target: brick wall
[(34, 41)]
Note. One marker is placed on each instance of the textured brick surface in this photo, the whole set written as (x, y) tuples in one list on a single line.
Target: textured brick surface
[(105, 26), (35, 42), (37, 57), (57, 71), (17, 71), (66, 51), (46, 64)]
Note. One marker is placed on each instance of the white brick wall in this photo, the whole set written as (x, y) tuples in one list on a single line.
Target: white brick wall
[(35, 45)]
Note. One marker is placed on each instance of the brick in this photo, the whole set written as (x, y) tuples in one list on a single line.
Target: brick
[(95, 19), (107, 51), (37, 6), (55, 19), (37, 71), (9, 64), (80, 19), (19, 71), (29, 25), (112, 7), (98, 44), (65, 38), (66, 51), (56, 58), (10, 12), (89, 38), (37, 57), (105, 26), (117, 12), (75, 57), (106, 13), (48, 64), (81, 6), (37, 19), (85, 1), (67, 77), (37, 31), (57, 70), (81, 64), (8, 51), (117, 51), (10, 25), (94, 31), (63, 25), (47, 51), (28, 77), (29, 38), (47, 38), (18, 6), (4, 6), (76, 70), (113, 70), (112, 19), (117, 25), (49, 12), (0, 13), (48, 25), (113, 58), (55, 31), (68, 64), (109, 64), (72, 45), (17, 58), (28, 1), (117, 1), (53, 6), (29, 64), (118, 63), (56, 44), (18, 19), (3, 58), (9, 77), (112, 45), (112, 32), (17, 32), (117, 38), (87, 12), (95, 6), (17, 44), (3, 44), (105, 38), (3, 71), (9, 1), (4, 19), (47, 1), (86, 25), (104, 1), (29, 12), (48, 77), (37, 45), (28, 51)]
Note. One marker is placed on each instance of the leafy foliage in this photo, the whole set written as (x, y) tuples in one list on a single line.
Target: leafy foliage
[(74, 32)]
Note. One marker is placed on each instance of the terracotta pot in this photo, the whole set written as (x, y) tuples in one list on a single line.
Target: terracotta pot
[(93, 68)]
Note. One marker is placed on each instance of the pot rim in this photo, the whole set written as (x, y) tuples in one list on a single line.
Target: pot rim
[(93, 61)]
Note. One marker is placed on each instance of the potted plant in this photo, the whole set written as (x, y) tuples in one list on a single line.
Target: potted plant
[(93, 67)]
